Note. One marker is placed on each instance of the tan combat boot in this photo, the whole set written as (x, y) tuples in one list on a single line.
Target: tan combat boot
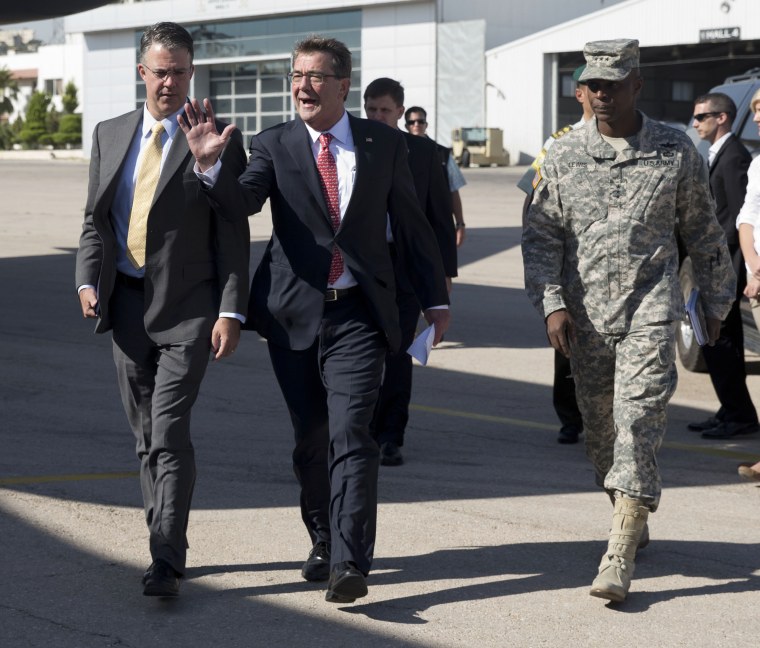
[(644, 540), (616, 569)]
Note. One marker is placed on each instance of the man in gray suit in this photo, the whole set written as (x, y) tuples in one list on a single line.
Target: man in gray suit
[(168, 276)]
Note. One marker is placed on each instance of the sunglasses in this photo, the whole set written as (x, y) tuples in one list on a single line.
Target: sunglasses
[(702, 116), (412, 122)]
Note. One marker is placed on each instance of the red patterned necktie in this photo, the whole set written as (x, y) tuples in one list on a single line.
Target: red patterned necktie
[(328, 178)]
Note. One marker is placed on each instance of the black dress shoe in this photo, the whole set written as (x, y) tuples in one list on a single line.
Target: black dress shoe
[(568, 434), (161, 579), (317, 565), (730, 430), (707, 424), (346, 584), (390, 454)]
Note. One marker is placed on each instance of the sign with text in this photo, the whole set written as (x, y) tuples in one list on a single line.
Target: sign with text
[(720, 34)]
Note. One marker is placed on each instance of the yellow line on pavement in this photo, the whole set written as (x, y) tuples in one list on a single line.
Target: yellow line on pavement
[(474, 416), (675, 445), (483, 417), (41, 479)]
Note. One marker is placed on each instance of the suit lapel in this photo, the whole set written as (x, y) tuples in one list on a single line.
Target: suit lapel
[(174, 160), (114, 147), (298, 143), (363, 151), (718, 155)]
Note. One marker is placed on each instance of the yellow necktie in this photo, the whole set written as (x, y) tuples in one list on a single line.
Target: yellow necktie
[(145, 188)]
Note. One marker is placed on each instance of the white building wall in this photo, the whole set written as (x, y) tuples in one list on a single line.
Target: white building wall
[(63, 62), (519, 74), (109, 76), (400, 42), (508, 20)]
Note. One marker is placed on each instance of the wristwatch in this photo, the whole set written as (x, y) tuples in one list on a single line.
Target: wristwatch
[(459, 225)]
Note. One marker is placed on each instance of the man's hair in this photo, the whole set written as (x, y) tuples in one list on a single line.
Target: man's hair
[(415, 109), (385, 86), (171, 35), (755, 100), (338, 52), (719, 102)]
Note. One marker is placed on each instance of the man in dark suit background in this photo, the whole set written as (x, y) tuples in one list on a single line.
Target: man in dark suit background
[(728, 161), (384, 102), (168, 276), (323, 295)]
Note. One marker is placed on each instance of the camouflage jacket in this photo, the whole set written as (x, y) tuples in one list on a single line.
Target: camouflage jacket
[(600, 236)]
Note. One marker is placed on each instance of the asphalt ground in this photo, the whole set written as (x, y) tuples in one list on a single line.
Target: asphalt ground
[(489, 535)]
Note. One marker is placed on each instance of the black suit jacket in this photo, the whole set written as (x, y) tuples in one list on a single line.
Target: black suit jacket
[(434, 195), (728, 183), (288, 288), (196, 263)]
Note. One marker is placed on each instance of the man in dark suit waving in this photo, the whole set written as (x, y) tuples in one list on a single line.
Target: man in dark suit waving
[(728, 161), (169, 276), (323, 295)]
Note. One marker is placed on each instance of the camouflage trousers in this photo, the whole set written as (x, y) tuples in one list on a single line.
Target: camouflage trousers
[(623, 384)]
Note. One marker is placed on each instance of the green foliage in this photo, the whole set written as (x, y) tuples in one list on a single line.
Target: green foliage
[(36, 116), (70, 131), (69, 99), (8, 90)]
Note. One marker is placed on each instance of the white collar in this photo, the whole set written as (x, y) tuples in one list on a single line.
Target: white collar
[(718, 144), (340, 130), (170, 123)]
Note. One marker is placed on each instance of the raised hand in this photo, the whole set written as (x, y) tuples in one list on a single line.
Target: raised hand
[(205, 142)]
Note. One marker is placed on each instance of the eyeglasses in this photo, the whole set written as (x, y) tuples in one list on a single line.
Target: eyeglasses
[(412, 122), (162, 74), (702, 116), (315, 78)]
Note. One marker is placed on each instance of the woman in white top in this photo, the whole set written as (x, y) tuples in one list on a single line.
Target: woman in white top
[(748, 224)]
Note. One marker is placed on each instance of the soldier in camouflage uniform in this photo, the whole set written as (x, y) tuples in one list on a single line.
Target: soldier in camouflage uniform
[(601, 266)]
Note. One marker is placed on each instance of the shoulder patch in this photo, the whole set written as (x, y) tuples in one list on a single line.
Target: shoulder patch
[(537, 179)]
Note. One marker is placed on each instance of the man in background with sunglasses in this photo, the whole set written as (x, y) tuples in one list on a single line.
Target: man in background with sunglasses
[(416, 123), (601, 266), (728, 160)]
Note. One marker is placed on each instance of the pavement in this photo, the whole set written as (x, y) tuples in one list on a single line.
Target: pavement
[(489, 535)]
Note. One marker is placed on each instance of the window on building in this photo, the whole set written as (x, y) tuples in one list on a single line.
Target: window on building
[(248, 86), (54, 87), (683, 91), (567, 85)]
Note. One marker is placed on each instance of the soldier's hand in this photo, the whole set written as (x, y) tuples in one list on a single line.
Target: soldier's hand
[(713, 330), (560, 330)]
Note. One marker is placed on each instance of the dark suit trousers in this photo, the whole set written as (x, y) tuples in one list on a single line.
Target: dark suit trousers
[(159, 384), (331, 389), (725, 360), (563, 393), (392, 411)]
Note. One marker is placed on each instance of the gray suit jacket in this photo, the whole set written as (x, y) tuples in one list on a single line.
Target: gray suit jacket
[(196, 261)]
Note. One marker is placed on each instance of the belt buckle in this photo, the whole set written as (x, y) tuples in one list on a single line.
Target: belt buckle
[(331, 295)]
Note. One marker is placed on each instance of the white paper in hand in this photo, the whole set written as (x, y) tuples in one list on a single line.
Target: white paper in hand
[(422, 345)]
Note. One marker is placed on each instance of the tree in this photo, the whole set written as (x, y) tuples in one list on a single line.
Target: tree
[(8, 91), (70, 126), (69, 99), (36, 116)]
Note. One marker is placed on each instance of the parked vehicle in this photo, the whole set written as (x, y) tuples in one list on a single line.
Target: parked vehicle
[(740, 88), (481, 146)]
